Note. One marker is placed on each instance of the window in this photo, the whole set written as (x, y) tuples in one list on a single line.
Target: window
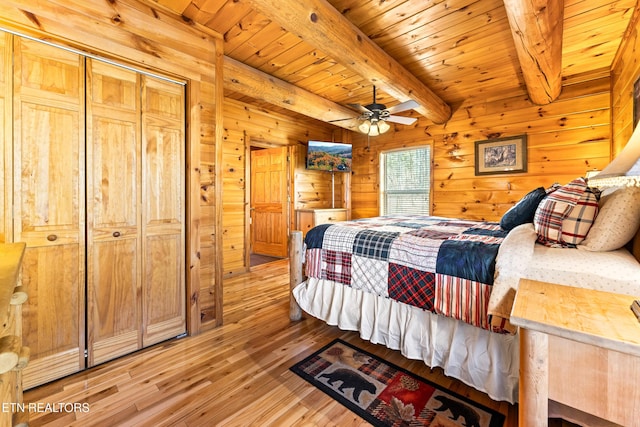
[(405, 181)]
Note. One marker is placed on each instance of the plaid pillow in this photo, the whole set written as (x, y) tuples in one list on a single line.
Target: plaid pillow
[(564, 218)]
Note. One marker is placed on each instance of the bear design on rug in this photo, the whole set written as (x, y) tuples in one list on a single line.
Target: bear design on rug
[(350, 379), (458, 409)]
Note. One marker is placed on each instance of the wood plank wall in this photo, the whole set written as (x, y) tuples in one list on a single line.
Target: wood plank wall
[(130, 32), (313, 189), (246, 125), (625, 70), (565, 139)]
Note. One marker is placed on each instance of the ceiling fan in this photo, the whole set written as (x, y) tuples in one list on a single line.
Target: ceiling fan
[(375, 116)]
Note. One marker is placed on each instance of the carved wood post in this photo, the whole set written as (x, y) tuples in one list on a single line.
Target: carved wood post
[(295, 272)]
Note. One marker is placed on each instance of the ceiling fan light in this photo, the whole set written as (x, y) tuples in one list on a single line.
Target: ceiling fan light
[(374, 131), (364, 127), (383, 126)]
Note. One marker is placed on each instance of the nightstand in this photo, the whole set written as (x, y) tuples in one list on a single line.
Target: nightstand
[(579, 355)]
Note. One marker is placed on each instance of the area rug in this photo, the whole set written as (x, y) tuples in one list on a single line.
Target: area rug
[(385, 394)]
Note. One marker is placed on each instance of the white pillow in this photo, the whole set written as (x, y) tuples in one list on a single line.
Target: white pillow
[(617, 221)]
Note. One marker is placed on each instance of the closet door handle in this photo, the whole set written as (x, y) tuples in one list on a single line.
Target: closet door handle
[(116, 234), (52, 237)]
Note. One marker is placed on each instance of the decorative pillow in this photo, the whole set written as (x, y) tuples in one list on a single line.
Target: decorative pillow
[(565, 216), (523, 211), (617, 221)]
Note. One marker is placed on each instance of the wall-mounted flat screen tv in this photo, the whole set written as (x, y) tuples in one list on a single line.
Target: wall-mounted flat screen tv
[(329, 156)]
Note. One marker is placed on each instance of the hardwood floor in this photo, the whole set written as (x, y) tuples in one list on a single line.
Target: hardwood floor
[(235, 375)]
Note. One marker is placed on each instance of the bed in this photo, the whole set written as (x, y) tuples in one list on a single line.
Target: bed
[(441, 290)]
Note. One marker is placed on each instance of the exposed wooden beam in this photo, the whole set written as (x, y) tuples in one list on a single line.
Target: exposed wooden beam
[(256, 84), (318, 23), (536, 26)]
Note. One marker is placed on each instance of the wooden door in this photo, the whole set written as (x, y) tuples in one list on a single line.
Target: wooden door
[(49, 164), (163, 196), (113, 212), (269, 205)]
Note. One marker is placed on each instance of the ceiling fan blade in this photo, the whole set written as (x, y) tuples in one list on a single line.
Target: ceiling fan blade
[(403, 106), (360, 108), (401, 120)]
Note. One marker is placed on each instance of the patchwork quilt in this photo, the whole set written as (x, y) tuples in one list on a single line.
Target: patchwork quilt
[(442, 265)]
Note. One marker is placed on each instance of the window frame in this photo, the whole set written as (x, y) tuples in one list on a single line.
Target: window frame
[(382, 177)]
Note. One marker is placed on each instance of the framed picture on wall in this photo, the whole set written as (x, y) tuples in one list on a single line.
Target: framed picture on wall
[(501, 155), (636, 102)]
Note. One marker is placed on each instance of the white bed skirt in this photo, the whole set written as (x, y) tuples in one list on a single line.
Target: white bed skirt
[(487, 361)]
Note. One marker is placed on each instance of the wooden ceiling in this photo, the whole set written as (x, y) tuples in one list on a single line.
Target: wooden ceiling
[(455, 51)]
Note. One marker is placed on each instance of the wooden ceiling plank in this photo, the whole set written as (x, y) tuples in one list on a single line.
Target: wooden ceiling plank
[(443, 65), (485, 23), (600, 56), (322, 26), (307, 64), (607, 48), (471, 46), (499, 73), (257, 42), (467, 56), (228, 15), (361, 95), (409, 15), (612, 23), (445, 54), (279, 46), (439, 15), (352, 89), (244, 30), (463, 67), (536, 26), (442, 34), (202, 11), (300, 50), (178, 6), (594, 10), (581, 24), (317, 78), (251, 82), (481, 90), (610, 33), (363, 13), (587, 77)]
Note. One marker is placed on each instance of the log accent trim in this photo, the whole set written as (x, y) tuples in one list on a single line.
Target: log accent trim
[(537, 28), (295, 272), (259, 85), (322, 26)]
